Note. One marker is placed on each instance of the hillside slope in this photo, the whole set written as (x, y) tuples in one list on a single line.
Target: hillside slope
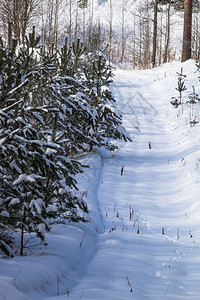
[(154, 252), (143, 241)]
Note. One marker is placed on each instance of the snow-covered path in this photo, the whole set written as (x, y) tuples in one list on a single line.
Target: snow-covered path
[(145, 195), (135, 260)]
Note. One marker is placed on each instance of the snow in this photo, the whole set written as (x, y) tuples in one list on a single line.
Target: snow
[(24, 177), (41, 228), (4, 214), (14, 201), (37, 204), (13, 164), (142, 240), (38, 117), (2, 141), (50, 151)]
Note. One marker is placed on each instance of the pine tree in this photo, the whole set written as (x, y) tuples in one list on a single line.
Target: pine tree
[(35, 173), (181, 87), (50, 109), (187, 32), (78, 50), (109, 121), (18, 178)]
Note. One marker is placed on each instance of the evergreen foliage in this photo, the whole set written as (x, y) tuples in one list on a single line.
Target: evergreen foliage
[(193, 99), (51, 107), (78, 50), (108, 125), (181, 87), (82, 3)]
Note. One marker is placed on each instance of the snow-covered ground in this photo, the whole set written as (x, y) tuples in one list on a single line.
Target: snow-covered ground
[(143, 241)]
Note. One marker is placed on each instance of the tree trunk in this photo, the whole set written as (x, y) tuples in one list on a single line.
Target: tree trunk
[(110, 32), (22, 234), (22, 241), (56, 16), (123, 32), (187, 31), (161, 39), (50, 21), (134, 46), (70, 22), (155, 32), (76, 23), (167, 33)]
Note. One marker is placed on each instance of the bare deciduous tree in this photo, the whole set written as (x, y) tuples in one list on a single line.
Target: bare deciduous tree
[(20, 14), (123, 42), (167, 33)]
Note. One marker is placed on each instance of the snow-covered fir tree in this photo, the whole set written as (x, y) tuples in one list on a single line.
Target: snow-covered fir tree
[(36, 174), (52, 106)]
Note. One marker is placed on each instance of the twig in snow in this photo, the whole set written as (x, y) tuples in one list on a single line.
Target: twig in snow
[(178, 236), (122, 170), (129, 284), (57, 285), (131, 214), (166, 290), (80, 245), (81, 295), (187, 216), (17, 275), (117, 214), (112, 228), (190, 234)]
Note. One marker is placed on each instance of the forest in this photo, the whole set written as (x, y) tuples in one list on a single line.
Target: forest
[(56, 65), (99, 149), (123, 28)]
